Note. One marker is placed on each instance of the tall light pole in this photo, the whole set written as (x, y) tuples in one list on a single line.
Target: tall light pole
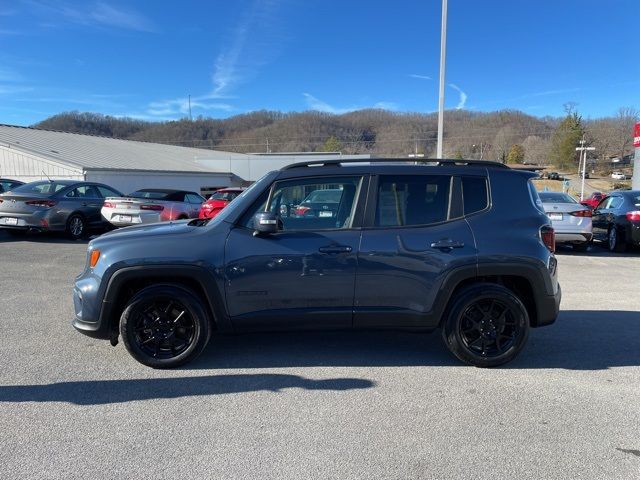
[(443, 56), (582, 169)]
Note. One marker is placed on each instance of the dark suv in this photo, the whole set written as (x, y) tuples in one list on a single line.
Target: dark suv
[(460, 245)]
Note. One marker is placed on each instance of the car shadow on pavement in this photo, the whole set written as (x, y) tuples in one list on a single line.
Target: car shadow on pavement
[(585, 340), (55, 238), (99, 392), (598, 249), (579, 340)]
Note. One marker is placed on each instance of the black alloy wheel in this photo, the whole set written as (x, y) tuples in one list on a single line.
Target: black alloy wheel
[(487, 325), (165, 326)]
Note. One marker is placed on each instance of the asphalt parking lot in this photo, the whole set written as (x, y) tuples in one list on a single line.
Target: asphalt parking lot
[(328, 405)]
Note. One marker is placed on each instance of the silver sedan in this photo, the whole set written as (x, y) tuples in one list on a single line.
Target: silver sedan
[(570, 220)]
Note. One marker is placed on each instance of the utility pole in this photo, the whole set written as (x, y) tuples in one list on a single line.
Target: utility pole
[(443, 55), (268, 151), (582, 169), (190, 117)]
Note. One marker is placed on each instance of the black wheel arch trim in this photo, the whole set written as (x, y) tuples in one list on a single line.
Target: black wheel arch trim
[(546, 303), (214, 299)]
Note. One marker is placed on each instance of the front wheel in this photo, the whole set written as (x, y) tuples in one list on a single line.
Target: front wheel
[(487, 325), (165, 326)]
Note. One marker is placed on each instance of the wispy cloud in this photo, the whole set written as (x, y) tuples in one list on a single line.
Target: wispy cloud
[(551, 92), (463, 96), (94, 14), (8, 32), (180, 106), (421, 77), (255, 41), (315, 103)]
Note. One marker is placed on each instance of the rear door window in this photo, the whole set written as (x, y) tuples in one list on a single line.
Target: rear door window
[(412, 200)]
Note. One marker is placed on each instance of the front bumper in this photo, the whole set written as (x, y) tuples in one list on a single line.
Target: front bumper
[(88, 305)]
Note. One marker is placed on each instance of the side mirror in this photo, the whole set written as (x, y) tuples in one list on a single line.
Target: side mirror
[(265, 223)]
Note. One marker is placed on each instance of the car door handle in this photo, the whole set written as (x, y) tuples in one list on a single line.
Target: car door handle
[(335, 249), (447, 244)]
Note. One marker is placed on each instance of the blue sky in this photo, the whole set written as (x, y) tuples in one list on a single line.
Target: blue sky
[(143, 58)]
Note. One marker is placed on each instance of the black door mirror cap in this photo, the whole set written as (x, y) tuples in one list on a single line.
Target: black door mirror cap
[(265, 223)]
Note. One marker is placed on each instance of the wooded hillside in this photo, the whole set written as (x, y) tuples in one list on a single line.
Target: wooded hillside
[(504, 136)]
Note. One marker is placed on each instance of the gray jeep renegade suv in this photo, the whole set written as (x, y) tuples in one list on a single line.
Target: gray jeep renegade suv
[(460, 245)]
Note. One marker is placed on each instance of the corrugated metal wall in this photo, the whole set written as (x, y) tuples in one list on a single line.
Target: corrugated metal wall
[(128, 182), (19, 165)]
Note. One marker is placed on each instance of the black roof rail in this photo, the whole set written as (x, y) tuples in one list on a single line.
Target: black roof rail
[(336, 162)]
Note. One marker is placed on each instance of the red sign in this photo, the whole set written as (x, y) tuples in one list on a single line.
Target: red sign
[(636, 136)]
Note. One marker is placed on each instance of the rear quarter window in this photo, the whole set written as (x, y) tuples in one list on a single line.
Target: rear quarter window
[(475, 194), (535, 198)]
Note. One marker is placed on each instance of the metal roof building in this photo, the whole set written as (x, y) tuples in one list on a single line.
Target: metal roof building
[(30, 154)]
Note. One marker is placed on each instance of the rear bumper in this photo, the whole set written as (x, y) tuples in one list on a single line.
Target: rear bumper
[(548, 307), (40, 220), (569, 237)]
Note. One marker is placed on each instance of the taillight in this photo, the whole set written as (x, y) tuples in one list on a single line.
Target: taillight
[(42, 203), (633, 216), (157, 208), (302, 210), (109, 205), (548, 236), (582, 213)]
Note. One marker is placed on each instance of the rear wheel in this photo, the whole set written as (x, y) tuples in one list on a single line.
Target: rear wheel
[(76, 227), (487, 325), (165, 326), (615, 241)]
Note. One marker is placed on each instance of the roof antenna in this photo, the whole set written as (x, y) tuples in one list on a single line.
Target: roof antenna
[(46, 176)]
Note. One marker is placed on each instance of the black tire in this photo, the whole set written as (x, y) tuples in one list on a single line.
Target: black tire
[(615, 241), (486, 325), (76, 226), (165, 326)]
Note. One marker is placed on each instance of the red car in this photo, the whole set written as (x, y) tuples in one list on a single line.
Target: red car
[(218, 201), (593, 200)]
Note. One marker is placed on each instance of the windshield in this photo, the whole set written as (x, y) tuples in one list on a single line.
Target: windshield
[(552, 197), (227, 196), (153, 194), (40, 188)]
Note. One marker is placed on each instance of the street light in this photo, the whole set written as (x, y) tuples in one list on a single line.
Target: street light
[(583, 152), (443, 55)]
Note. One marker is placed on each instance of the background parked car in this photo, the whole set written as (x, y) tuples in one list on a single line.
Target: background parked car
[(319, 203), (618, 176), (7, 185), (570, 220), (218, 201), (57, 205), (593, 200), (151, 205), (617, 220), (553, 176)]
